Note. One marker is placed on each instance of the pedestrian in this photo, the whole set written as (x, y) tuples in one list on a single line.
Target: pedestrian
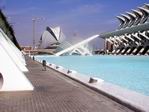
[(44, 65)]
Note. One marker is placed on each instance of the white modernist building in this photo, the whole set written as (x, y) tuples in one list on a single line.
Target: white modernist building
[(12, 67), (132, 35), (51, 37), (55, 38)]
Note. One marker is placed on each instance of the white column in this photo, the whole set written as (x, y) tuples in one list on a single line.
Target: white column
[(117, 38), (129, 36), (144, 35), (123, 37), (136, 36), (125, 44), (110, 41)]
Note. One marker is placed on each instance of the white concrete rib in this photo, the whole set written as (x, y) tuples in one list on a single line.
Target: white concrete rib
[(109, 41), (122, 21), (144, 35), (127, 20), (136, 36), (118, 39), (138, 16), (134, 50), (123, 37), (129, 36), (145, 13), (114, 40), (133, 17)]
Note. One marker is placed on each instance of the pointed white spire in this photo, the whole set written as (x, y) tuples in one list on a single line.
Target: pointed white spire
[(122, 21), (138, 15), (132, 16), (145, 13), (127, 20)]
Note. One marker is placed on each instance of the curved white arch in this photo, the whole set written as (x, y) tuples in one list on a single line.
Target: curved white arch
[(146, 5), (133, 17), (145, 13), (76, 45), (138, 15), (127, 20), (122, 21)]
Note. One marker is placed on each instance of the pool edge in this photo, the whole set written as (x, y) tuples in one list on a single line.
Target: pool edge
[(120, 99)]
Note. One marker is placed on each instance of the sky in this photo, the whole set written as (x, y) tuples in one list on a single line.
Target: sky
[(78, 19)]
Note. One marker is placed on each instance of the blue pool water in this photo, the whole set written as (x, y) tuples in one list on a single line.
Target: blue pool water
[(131, 72)]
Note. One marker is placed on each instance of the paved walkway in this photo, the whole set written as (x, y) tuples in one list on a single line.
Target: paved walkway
[(56, 93)]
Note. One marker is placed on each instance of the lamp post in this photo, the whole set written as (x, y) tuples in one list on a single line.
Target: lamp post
[(33, 20)]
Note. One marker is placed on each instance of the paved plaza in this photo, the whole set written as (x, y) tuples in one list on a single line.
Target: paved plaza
[(56, 93)]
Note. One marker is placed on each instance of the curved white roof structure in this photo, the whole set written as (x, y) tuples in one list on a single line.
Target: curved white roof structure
[(132, 35), (51, 36), (135, 17)]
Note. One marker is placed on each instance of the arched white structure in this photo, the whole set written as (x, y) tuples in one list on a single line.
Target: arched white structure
[(132, 34), (133, 17), (138, 16), (145, 13), (127, 20), (11, 76), (122, 21), (78, 45), (51, 36)]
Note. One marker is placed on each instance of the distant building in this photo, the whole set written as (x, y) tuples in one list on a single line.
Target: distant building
[(27, 49), (51, 37), (132, 35)]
